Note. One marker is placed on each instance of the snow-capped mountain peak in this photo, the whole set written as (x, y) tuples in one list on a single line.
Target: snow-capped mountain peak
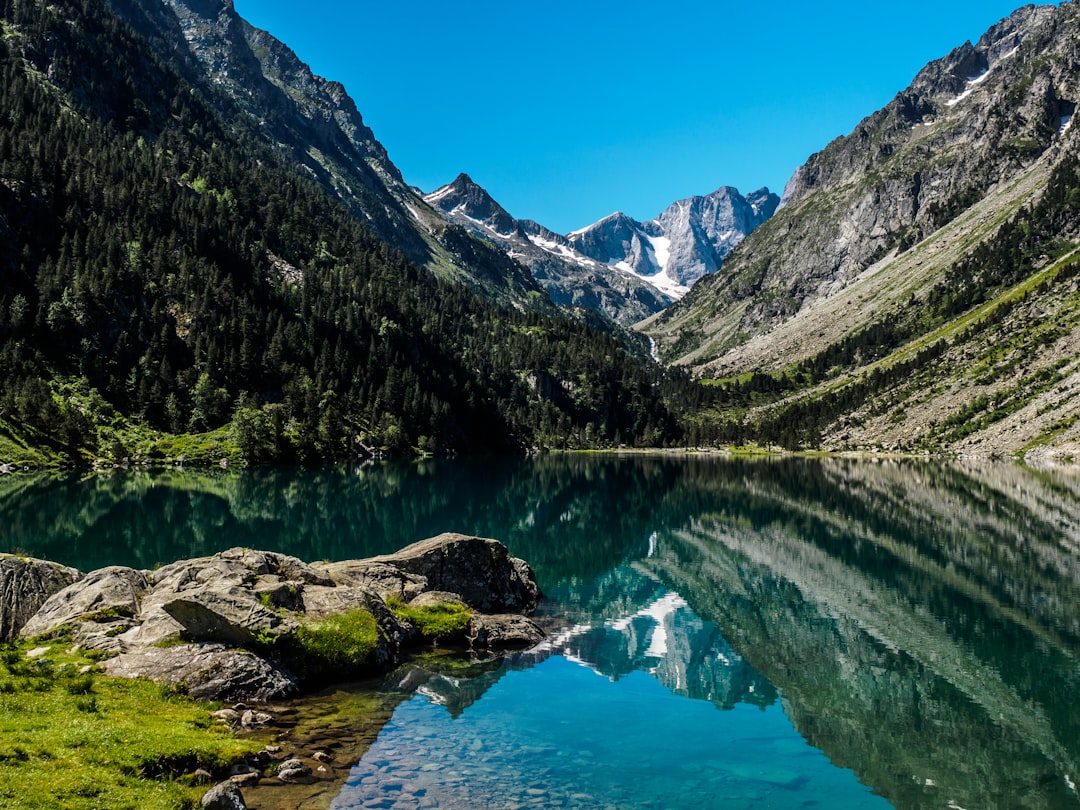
[(690, 239)]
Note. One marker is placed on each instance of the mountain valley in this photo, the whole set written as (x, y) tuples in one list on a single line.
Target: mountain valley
[(207, 254)]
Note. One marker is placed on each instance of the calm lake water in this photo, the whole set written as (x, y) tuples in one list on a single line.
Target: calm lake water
[(766, 634)]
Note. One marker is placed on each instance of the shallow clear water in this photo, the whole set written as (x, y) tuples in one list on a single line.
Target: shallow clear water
[(794, 633), (561, 735)]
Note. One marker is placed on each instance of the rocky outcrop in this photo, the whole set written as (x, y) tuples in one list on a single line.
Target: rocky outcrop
[(226, 626), (95, 608), (25, 585)]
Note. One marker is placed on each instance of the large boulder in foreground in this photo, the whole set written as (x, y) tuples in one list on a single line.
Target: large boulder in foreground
[(478, 569), (25, 585)]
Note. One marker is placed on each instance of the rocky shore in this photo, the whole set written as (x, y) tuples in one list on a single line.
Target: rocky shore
[(249, 627)]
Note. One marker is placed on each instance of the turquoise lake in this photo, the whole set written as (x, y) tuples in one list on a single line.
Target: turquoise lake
[(785, 633)]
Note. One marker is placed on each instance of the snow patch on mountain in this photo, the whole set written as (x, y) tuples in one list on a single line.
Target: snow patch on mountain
[(974, 81)]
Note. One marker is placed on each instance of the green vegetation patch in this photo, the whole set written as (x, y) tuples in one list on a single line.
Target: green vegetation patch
[(443, 620), (341, 642), (76, 739)]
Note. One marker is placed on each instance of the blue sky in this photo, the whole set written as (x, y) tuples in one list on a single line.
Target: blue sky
[(569, 110)]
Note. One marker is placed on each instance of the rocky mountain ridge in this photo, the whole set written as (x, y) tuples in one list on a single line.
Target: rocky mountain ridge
[(971, 122), (569, 277), (626, 269), (318, 125)]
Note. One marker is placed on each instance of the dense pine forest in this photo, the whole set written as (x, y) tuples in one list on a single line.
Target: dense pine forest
[(164, 271)]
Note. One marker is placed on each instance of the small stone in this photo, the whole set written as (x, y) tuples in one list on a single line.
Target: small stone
[(225, 796), (240, 769), (228, 716), (254, 719), (322, 756), (37, 652), (245, 778), (293, 770), (273, 749), (202, 775)]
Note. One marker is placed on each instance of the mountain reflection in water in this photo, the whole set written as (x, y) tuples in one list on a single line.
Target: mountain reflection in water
[(919, 624)]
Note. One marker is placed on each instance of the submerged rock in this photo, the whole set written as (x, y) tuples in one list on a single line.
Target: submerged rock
[(504, 631), (25, 585)]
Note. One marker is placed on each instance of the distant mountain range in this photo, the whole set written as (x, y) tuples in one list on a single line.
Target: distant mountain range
[(622, 268)]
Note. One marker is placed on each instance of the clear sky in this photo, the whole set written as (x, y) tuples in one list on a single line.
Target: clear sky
[(568, 110)]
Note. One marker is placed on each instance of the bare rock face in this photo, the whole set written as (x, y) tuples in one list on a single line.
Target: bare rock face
[(95, 605), (233, 616), (25, 585), (207, 672)]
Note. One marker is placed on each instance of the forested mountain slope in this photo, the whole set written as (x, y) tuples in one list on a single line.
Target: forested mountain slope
[(916, 289), (165, 268), (316, 124)]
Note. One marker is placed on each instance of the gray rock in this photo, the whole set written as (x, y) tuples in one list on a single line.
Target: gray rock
[(255, 599), (229, 717), (384, 578), (478, 569), (503, 631), (254, 719), (225, 796), (101, 597), (25, 585), (207, 672), (233, 615), (293, 770)]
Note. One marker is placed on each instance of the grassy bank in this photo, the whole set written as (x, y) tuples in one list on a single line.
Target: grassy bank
[(71, 738)]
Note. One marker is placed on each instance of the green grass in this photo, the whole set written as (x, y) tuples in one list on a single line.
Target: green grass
[(444, 620), (342, 642), (77, 740)]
